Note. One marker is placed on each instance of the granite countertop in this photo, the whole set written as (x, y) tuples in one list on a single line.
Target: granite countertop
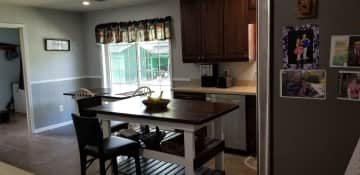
[(234, 90)]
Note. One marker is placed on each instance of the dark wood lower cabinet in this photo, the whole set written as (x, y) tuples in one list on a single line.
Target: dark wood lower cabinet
[(251, 133), (190, 96), (251, 136)]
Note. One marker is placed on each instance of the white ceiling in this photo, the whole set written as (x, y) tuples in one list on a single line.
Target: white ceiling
[(75, 5)]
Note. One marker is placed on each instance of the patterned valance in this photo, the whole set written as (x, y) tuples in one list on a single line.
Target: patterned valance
[(134, 31)]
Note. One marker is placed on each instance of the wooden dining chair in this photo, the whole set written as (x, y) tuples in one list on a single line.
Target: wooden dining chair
[(91, 143), (85, 103)]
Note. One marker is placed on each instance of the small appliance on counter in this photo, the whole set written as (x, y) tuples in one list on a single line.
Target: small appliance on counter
[(209, 75), (225, 81)]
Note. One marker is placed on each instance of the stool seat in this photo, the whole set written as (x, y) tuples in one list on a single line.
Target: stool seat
[(113, 146)]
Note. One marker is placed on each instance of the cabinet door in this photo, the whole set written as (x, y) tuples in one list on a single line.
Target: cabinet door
[(212, 14), (252, 4), (191, 30), (234, 122), (251, 136), (189, 96), (236, 30), (235, 129)]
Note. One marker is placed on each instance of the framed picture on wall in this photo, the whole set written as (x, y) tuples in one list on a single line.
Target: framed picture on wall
[(303, 84), (57, 45), (301, 47), (349, 85), (345, 51)]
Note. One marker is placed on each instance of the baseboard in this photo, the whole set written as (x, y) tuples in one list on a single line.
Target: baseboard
[(51, 127)]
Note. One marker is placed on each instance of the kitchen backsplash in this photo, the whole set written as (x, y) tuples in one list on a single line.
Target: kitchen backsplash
[(243, 73), (241, 70)]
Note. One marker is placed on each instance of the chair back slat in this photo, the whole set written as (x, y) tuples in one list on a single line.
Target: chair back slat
[(85, 103), (88, 131)]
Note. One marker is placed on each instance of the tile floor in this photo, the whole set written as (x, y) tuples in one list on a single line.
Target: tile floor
[(56, 151)]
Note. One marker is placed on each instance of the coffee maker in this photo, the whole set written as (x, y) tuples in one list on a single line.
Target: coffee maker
[(209, 75), (226, 80)]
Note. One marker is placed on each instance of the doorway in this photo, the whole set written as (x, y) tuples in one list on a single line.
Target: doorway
[(15, 89)]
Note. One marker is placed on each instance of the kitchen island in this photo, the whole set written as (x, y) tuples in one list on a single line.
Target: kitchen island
[(184, 115)]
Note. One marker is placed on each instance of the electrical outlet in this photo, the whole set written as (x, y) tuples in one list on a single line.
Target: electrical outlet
[(61, 108)]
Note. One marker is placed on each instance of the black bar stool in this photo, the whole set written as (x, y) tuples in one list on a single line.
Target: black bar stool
[(85, 103), (91, 143)]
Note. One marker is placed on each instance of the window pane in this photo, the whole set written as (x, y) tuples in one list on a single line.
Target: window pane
[(140, 64), (123, 66), (154, 63)]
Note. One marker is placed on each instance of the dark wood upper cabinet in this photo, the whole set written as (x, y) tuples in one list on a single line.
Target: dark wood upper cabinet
[(212, 15), (236, 29), (252, 4), (214, 30), (252, 12), (191, 30)]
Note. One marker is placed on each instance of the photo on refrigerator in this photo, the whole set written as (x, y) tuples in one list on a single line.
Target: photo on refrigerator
[(300, 46), (345, 51), (307, 84), (349, 85)]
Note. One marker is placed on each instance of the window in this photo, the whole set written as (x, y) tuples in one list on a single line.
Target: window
[(131, 65)]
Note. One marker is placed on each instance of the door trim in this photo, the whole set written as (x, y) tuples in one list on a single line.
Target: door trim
[(26, 70)]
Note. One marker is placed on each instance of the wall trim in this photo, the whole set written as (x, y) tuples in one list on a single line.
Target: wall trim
[(23, 36), (64, 79), (51, 127)]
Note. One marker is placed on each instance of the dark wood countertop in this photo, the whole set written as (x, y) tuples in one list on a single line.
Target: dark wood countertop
[(178, 111)]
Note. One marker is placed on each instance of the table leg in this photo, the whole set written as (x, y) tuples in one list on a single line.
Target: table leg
[(219, 134), (76, 106), (105, 125), (189, 143), (211, 130)]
